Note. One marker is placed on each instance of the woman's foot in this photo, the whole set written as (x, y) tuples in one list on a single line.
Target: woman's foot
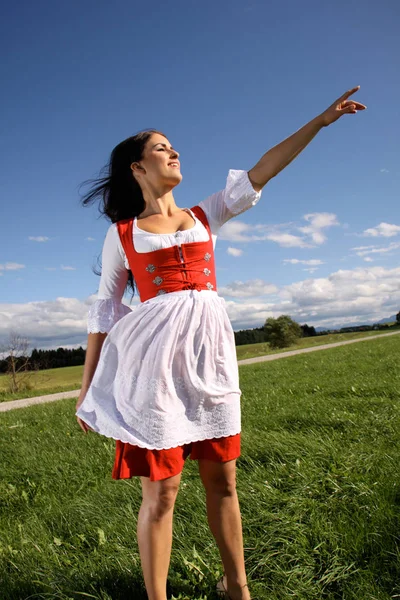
[(239, 592)]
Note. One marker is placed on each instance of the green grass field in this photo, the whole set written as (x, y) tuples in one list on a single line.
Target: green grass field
[(253, 350), (318, 483), (52, 381), (48, 381)]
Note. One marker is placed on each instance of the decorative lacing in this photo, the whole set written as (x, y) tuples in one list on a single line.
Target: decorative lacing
[(104, 313), (167, 272)]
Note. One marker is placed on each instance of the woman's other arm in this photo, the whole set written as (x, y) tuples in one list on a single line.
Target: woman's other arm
[(106, 310), (276, 159), (94, 345)]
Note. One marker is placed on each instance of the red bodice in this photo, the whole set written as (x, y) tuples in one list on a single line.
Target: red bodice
[(189, 266)]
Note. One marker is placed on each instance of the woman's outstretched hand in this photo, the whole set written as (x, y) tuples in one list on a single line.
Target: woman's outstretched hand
[(341, 106), (276, 159)]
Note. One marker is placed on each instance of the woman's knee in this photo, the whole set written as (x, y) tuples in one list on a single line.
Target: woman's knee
[(159, 496), (218, 478)]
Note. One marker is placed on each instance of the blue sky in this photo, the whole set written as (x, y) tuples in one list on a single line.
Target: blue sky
[(225, 81)]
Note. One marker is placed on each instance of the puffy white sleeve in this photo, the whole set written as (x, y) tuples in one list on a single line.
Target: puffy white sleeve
[(108, 308), (237, 197)]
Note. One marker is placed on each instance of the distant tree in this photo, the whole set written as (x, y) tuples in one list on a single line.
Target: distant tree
[(16, 350), (398, 318), (308, 330), (282, 332)]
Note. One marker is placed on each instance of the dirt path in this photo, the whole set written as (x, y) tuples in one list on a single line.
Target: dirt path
[(5, 406)]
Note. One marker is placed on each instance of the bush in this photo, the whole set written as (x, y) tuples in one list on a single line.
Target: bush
[(282, 332)]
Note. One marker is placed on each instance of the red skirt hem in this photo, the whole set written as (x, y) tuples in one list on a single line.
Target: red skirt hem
[(133, 461)]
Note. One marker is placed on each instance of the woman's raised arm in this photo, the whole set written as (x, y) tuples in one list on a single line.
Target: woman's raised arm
[(282, 154)]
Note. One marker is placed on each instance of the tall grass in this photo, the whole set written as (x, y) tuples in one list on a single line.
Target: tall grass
[(318, 485)]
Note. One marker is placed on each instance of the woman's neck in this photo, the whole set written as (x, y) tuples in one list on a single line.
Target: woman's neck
[(159, 202)]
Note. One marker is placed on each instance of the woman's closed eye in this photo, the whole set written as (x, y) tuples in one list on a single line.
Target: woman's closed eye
[(163, 150)]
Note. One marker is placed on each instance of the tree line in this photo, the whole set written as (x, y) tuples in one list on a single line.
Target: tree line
[(43, 359), (284, 331)]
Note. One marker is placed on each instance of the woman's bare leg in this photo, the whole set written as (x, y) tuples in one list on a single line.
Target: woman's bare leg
[(223, 512), (154, 532)]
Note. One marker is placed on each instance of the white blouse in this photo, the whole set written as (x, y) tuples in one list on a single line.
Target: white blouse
[(237, 197)]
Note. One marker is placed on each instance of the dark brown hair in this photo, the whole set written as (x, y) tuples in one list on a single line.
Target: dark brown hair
[(116, 189)]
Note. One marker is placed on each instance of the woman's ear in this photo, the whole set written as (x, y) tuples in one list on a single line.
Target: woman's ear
[(137, 169)]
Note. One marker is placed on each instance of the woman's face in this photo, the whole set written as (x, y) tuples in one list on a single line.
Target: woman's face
[(159, 165)]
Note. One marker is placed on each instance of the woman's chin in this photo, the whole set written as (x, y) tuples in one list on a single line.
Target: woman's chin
[(175, 179)]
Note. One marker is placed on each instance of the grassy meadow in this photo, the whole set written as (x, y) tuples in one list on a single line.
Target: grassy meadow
[(318, 483), (51, 381), (262, 349)]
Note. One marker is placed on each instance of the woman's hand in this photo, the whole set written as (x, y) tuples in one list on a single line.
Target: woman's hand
[(84, 426), (341, 106), (282, 154)]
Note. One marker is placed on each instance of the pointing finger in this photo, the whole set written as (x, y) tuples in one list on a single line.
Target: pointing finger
[(349, 93)]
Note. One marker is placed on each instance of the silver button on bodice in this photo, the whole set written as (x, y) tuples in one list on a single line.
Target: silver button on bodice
[(158, 280)]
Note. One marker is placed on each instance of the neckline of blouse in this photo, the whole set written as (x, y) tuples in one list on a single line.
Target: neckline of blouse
[(171, 233)]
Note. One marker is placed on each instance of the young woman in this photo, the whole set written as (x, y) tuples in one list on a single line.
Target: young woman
[(162, 379)]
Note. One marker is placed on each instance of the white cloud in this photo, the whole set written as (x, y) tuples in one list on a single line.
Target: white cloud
[(346, 296), (384, 171), (62, 268), (247, 289), (350, 295), (321, 220), (90, 239), (368, 259), (318, 222), (11, 267), (237, 231), (39, 238), (382, 230), (284, 234), (361, 248), (47, 324), (287, 240), (234, 251), (365, 250), (297, 261)]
